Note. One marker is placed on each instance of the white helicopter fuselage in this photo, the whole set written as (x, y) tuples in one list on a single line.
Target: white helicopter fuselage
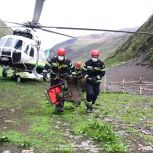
[(22, 55), (20, 52), (17, 50)]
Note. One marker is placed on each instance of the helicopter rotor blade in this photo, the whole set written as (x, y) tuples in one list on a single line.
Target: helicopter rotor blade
[(91, 29), (10, 26), (14, 23), (37, 11), (57, 33)]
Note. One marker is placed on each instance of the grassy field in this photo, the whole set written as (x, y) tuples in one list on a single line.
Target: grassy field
[(120, 122)]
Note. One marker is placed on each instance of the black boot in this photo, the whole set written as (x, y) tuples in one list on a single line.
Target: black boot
[(93, 102), (59, 108), (89, 109)]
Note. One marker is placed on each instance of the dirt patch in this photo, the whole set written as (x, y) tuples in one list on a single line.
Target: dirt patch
[(9, 147), (131, 71)]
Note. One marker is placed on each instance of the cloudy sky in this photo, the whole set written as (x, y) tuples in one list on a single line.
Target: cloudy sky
[(104, 14)]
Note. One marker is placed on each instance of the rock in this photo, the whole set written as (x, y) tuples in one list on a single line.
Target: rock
[(145, 132), (57, 127), (7, 151), (85, 143), (27, 151), (13, 110), (4, 127), (108, 119), (58, 122), (66, 124), (122, 133), (147, 148), (68, 129), (8, 121)]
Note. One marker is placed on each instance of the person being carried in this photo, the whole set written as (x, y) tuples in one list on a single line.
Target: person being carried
[(94, 73), (60, 69), (79, 81)]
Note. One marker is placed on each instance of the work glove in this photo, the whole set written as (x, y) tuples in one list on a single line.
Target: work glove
[(44, 71), (44, 75), (73, 74), (86, 77), (98, 77), (98, 81)]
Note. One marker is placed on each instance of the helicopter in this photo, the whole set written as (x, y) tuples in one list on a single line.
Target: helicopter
[(24, 53), (22, 50)]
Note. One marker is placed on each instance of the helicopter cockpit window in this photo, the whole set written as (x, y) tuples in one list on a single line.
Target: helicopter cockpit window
[(18, 44), (2, 40), (32, 52), (9, 42)]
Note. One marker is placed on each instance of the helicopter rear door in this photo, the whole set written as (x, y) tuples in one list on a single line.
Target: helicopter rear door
[(31, 53)]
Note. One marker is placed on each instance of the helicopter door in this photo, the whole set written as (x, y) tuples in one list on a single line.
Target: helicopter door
[(32, 57), (25, 51)]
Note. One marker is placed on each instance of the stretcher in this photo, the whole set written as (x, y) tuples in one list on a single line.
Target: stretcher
[(68, 91)]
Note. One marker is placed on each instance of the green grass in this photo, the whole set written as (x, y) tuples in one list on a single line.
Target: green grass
[(103, 133), (33, 122)]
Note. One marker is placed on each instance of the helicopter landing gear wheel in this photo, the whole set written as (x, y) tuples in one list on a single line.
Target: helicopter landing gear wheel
[(4, 72), (18, 78)]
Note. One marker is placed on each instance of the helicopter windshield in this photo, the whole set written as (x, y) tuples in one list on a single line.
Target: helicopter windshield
[(8, 43), (2, 40), (11, 42)]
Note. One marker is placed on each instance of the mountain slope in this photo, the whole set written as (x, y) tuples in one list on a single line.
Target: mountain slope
[(4, 31), (137, 46), (107, 43)]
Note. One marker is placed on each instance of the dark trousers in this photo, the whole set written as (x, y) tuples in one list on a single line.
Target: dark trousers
[(92, 91)]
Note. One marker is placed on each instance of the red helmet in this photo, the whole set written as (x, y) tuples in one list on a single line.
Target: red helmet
[(95, 53), (61, 52), (78, 64)]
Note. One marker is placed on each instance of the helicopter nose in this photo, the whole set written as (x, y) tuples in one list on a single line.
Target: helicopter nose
[(6, 52), (5, 56)]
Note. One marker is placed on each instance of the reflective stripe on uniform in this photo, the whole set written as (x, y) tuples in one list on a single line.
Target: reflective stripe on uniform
[(88, 103), (89, 67), (97, 68), (62, 66), (54, 65)]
